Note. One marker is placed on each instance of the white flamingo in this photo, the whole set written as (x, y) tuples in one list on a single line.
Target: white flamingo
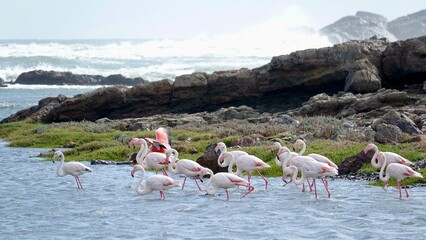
[(154, 160), (390, 156), (187, 167), (318, 157), (72, 168), (223, 180), (396, 170), (153, 183), (313, 169), (221, 146), (248, 163)]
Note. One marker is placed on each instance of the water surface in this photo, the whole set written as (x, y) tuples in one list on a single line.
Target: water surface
[(36, 204)]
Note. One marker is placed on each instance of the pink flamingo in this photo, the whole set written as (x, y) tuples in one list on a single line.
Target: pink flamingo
[(184, 166), (397, 171), (221, 146), (155, 182), (318, 157), (390, 156), (72, 168), (161, 141), (279, 158), (313, 169), (154, 160), (248, 163), (225, 181)]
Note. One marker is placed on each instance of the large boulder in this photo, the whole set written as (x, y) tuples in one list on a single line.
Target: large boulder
[(363, 77), (404, 62), (387, 133), (352, 164)]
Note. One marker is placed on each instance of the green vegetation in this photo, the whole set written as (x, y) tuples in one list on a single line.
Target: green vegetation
[(88, 141)]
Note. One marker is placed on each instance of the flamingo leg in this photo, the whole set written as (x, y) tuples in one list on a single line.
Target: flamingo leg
[(324, 181), (399, 188), (249, 177), (250, 189), (266, 181), (315, 187), (310, 184), (162, 196), (227, 194), (78, 182), (183, 185), (164, 172), (303, 187), (196, 183), (405, 187)]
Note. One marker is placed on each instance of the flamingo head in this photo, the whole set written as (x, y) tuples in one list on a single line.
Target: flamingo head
[(221, 159), (203, 173), (220, 146), (56, 155), (368, 148), (135, 169)]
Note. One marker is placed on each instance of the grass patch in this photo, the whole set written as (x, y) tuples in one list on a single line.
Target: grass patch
[(90, 141)]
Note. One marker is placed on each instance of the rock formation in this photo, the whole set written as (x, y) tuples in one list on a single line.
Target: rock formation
[(68, 78), (380, 84)]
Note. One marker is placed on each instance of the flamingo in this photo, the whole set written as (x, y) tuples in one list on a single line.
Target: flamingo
[(223, 180), (72, 168), (154, 182), (318, 157), (396, 170), (161, 142), (246, 163), (184, 166), (313, 169), (279, 159), (296, 161), (390, 156), (221, 146), (154, 160)]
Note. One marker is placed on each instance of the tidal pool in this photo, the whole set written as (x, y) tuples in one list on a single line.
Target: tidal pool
[(36, 204)]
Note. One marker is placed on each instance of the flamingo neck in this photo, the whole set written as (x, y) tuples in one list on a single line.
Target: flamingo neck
[(60, 169), (303, 148), (138, 188), (210, 190), (231, 166), (299, 181), (374, 161), (142, 153), (225, 161), (382, 169), (172, 164)]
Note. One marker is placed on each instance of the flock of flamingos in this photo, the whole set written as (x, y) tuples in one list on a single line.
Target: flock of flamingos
[(159, 156)]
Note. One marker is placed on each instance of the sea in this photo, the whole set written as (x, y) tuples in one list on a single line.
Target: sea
[(36, 204)]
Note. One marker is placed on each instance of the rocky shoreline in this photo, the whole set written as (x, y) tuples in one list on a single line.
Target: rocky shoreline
[(375, 88)]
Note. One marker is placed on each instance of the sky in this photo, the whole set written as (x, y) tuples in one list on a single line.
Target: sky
[(178, 19)]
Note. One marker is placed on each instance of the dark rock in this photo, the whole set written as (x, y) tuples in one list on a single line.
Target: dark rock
[(107, 162), (400, 120), (352, 164), (386, 133), (404, 62), (363, 77), (209, 159), (2, 83), (68, 78)]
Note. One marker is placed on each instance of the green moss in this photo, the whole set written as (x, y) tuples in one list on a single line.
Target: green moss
[(96, 141)]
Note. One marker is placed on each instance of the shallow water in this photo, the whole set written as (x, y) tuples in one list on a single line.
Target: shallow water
[(36, 204)]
